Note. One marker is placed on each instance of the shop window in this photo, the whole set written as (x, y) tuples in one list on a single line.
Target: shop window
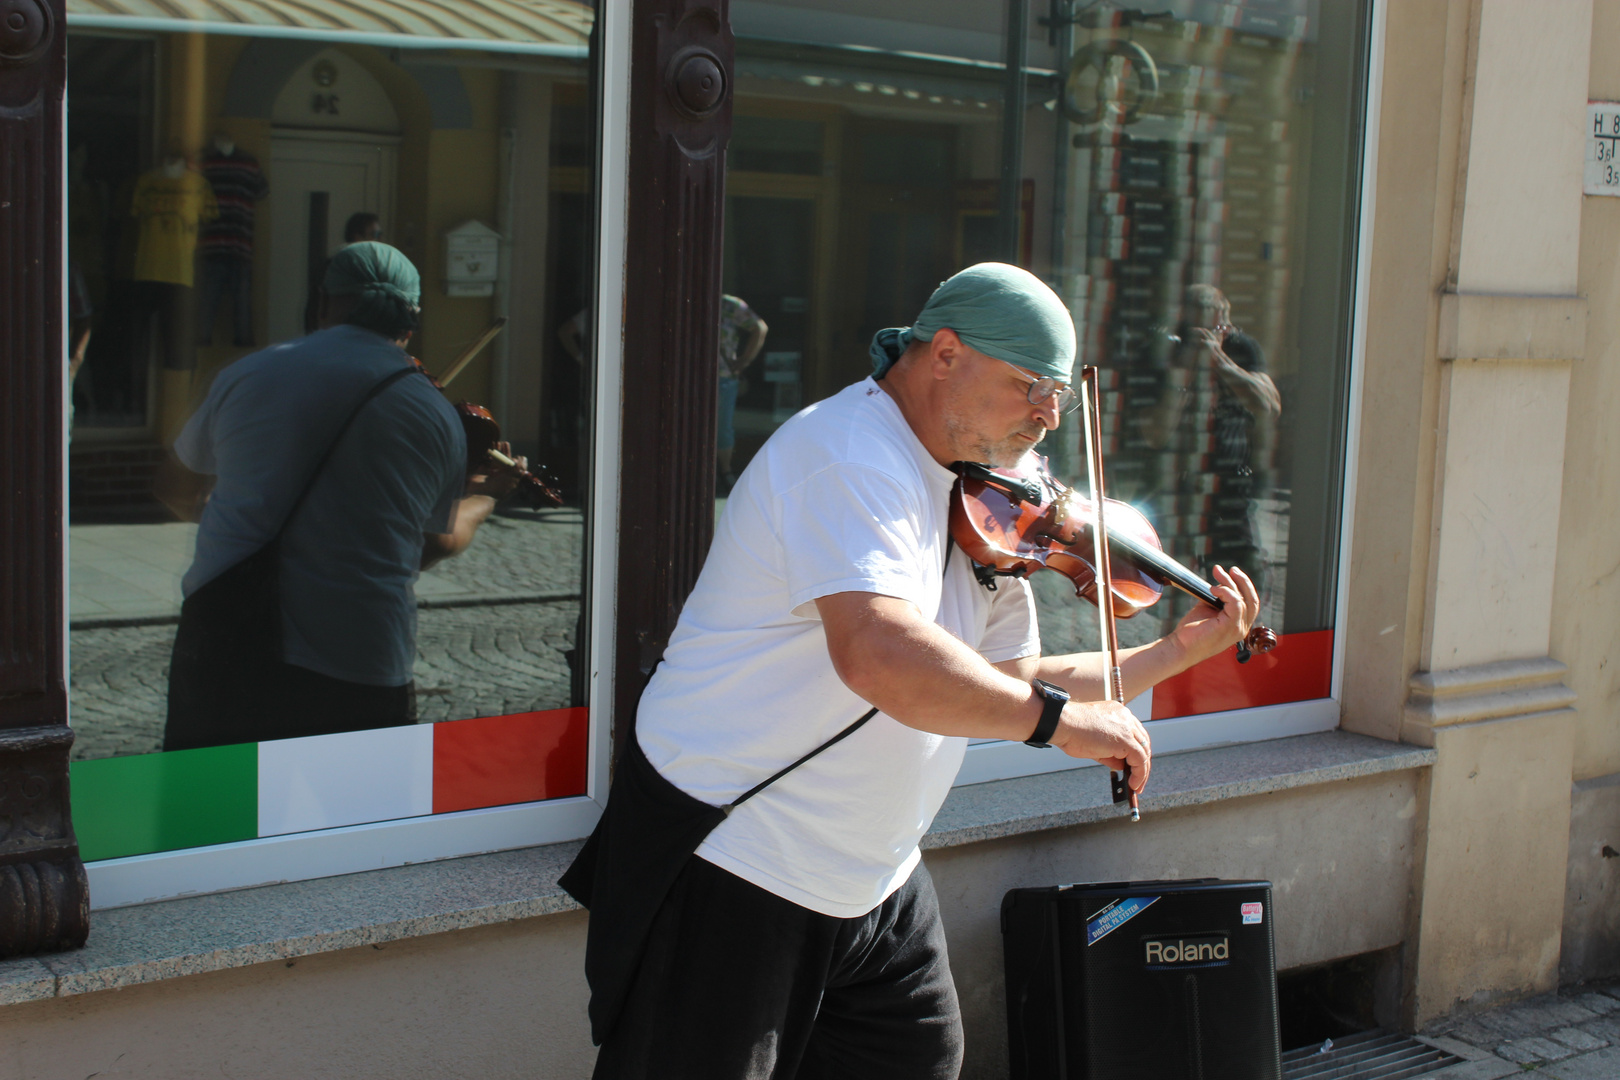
[(216, 176), (775, 145), (1178, 168)]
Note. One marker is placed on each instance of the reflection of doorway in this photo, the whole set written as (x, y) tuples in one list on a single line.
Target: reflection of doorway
[(564, 426), (319, 180), (898, 209), (769, 259), (110, 138)]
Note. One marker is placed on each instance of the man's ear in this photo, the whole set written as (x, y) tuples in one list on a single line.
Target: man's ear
[(944, 352)]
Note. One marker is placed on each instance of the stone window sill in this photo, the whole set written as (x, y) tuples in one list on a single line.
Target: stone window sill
[(197, 934)]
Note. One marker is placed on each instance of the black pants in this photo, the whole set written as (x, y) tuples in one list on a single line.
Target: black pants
[(303, 702), (230, 278), (739, 984), (228, 683)]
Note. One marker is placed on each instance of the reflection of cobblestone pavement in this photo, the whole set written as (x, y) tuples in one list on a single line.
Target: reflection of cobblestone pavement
[(1571, 1035), (518, 553), (1069, 624), (490, 661), (118, 688), (471, 661), (478, 653), (123, 573)]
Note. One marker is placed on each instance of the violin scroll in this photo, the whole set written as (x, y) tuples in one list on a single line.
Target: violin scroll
[(1261, 639), (483, 448), (484, 434)]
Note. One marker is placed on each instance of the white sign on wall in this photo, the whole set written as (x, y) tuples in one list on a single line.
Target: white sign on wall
[(472, 259), (1602, 140)]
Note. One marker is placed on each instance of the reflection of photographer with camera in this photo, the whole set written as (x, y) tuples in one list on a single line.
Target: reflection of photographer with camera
[(1240, 366), (1242, 412)]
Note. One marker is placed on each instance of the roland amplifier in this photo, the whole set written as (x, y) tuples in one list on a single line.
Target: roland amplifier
[(1174, 980)]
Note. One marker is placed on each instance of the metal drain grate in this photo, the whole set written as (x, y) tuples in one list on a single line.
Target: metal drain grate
[(1366, 1055)]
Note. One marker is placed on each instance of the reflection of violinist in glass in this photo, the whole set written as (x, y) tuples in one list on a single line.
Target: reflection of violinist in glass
[(1218, 405), (325, 474)]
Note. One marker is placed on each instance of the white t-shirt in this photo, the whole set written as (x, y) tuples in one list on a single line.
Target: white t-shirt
[(843, 498)]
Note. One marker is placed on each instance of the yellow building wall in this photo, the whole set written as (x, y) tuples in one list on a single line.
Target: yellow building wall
[(1586, 594), (1586, 591)]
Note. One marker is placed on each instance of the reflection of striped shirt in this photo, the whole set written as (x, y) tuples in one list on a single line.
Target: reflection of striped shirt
[(1234, 424), (238, 183), (736, 319)]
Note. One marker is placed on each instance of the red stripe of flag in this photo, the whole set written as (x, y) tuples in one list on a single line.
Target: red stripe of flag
[(499, 760), (1300, 668)]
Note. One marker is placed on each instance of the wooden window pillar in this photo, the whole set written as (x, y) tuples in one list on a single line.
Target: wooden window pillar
[(44, 899), (680, 120)]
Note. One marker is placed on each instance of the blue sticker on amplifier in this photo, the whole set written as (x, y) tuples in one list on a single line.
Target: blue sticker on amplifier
[(1116, 915)]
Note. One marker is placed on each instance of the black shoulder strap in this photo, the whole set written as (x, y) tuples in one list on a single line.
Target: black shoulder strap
[(763, 784), (320, 466)]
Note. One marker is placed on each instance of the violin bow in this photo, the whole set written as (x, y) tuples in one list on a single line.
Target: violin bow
[(466, 355), (1091, 415)]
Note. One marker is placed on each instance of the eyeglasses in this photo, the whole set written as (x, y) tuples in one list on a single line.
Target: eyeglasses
[(1041, 389)]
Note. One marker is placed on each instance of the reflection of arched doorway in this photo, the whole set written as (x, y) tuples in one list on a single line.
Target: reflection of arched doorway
[(334, 152)]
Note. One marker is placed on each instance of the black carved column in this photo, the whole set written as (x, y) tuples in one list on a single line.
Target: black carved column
[(680, 119), (44, 900)]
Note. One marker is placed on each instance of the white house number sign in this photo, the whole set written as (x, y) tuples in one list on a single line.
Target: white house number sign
[(1602, 140)]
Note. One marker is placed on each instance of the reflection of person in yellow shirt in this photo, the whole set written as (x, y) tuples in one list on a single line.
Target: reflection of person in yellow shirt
[(170, 202)]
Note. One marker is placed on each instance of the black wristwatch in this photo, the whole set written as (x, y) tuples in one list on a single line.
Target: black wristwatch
[(1053, 700)]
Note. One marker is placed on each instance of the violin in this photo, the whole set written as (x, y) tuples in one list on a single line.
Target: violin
[(483, 442), (1015, 523), (484, 434)]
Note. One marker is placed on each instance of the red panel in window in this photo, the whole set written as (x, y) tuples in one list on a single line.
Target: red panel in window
[(498, 760), (1300, 668)]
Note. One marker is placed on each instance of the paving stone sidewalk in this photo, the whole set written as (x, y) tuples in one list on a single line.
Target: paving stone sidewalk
[(1571, 1035)]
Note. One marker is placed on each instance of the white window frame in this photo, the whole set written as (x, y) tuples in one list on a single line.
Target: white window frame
[(300, 856)]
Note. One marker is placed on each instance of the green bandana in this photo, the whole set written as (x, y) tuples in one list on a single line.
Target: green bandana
[(388, 287), (997, 309)]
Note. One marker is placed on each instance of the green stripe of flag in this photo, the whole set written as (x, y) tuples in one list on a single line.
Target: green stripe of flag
[(161, 802)]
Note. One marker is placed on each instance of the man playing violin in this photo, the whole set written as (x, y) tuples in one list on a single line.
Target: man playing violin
[(325, 474), (804, 938)]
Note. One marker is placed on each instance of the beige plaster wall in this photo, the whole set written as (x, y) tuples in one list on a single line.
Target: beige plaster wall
[(489, 1003), (1496, 513), (1419, 132), (1463, 467), (1586, 604), (1528, 154), (1492, 882), (1500, 425), (1586, 593), (510, 1001), (1340, 859)]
